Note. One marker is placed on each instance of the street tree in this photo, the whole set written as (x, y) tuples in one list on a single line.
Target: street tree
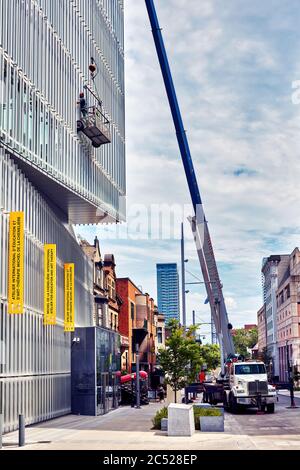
[(244, 340), (181, 359), (210, 355)]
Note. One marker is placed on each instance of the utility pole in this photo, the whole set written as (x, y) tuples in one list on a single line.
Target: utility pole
[(287, 360), (183, 278), (194, 322), (138, 389), (290, 377)]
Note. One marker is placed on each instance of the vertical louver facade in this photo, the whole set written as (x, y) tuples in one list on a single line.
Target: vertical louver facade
[(45, 52), (54, 175)]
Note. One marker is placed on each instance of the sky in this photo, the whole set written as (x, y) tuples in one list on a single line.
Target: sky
[(236, 68)]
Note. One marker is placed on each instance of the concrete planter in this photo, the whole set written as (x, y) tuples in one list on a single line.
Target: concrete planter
[(202, 405), (164, 424), (180, 420), (212, 423)]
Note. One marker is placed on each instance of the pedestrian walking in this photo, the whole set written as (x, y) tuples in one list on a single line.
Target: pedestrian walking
[(161, 394)]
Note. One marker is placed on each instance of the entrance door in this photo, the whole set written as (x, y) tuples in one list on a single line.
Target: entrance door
[(102, 390), (115, 381), (105, 392)]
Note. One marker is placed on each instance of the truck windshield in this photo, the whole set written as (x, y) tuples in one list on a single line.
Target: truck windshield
[(243, 369)]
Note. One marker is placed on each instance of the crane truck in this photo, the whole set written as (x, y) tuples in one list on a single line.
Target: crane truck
[(232, 383), (246, 386)]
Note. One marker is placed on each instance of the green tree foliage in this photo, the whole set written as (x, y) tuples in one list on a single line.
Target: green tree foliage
[(244, 340), (210, 355), (181, 360)]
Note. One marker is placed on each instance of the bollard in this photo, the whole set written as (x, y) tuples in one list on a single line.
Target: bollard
[(292, 396), (21, 431), (1, 430), (132, 392)]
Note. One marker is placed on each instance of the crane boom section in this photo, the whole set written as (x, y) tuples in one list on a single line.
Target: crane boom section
[(202, 237)]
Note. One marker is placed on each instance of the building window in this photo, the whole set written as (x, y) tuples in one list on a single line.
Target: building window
[(288, 293), (132, 310), (99, 277), (159, 335), (111, 286), (100, 316)]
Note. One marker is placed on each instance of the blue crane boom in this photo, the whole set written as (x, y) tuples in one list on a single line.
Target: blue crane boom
[(198, 222)]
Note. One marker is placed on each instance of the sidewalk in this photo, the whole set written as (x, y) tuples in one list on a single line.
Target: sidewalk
[(287, 393), (130, 429)]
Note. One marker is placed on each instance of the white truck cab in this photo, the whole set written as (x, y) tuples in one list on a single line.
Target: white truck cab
[(248, 386)]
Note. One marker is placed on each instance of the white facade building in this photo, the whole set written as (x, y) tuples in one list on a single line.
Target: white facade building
[(55, 176), (273, 270)]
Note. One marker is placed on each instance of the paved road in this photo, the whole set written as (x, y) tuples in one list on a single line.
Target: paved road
[(128, 428), (268, 431)]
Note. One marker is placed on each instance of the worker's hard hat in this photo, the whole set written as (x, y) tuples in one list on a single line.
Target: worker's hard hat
[(81, 95)]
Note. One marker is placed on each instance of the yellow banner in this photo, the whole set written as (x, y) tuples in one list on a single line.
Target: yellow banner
[(50, 285), (69, 296), (16, 263)]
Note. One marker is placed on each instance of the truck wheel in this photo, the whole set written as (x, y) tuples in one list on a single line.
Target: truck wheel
[(211, 400), (233, 406), (271, 408)]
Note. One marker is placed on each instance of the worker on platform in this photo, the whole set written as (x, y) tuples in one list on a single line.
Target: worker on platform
[(82, 104)]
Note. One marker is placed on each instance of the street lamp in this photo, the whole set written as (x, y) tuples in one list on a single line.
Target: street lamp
[(132, 391), (183, 292), (138, 389)]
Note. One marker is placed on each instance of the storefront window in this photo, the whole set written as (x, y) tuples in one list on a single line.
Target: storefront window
[(108, 364)]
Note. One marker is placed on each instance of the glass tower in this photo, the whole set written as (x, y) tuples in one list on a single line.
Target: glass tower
[(168, 290)]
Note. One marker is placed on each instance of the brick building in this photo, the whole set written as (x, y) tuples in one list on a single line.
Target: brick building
[(100, 298), (127, 292), (273, 271), (160, 338), (248, 327), (288, 317), (106, 302), (114, 302), (137, 321)]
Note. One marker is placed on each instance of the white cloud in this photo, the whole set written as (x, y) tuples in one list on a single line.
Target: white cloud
[(230, 303), (233, 66)]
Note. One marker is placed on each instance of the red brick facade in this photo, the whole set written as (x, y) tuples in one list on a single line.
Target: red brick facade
[(127, 292), (137, 320)]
